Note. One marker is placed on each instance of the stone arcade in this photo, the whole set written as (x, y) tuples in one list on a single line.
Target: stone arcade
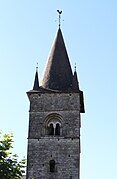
[(54, 119)]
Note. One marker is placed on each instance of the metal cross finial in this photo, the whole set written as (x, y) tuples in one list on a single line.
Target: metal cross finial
[(75, 68), (60, 12), (37, 67)]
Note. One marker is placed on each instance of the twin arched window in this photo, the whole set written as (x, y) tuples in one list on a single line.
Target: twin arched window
[(54, 129), (53, 124)]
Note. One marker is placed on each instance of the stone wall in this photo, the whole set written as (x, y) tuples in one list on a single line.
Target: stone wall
[(63, 149)]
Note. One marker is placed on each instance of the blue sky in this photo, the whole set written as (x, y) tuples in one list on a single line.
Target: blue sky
[(27, 30)]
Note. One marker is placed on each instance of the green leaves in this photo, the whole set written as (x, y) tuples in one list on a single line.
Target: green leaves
[(10, 167)]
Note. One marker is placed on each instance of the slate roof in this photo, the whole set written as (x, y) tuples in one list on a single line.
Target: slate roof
[(75, 84), (58, 76), (36, 82), (58, 73)]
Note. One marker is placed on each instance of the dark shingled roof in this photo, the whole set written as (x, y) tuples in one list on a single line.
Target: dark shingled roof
[(36, 82), (75, 84), (58, 73), (58, 76)]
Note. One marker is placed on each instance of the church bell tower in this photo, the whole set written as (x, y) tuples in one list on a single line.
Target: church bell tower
[(55, 119)]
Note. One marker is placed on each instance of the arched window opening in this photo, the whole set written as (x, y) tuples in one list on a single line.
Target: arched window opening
[(53, 125), (57, 129), (52, 165), (51, 129)]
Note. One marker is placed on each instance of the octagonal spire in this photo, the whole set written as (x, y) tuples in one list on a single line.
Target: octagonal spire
[(58, 73)]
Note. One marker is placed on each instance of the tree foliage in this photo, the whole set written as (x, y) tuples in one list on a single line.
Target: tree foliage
[(10, 167)]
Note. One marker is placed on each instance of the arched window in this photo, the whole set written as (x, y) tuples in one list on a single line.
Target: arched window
[(54, 129), (57, 129), (53, 124), (51, 129), (52, 165)]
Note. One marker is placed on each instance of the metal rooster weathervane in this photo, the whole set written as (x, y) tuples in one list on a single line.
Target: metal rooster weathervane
[(60, 12)]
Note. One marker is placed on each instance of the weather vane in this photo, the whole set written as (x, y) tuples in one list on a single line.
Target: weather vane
[(60, 12)]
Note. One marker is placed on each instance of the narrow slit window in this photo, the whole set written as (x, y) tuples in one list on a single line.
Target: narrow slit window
[(52, 165)]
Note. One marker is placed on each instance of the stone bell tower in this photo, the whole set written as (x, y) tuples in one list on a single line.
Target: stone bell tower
[(54, 119)]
